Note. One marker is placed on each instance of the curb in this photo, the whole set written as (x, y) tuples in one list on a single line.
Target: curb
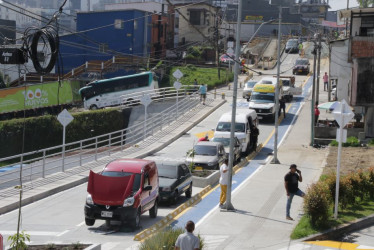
[(171, 216), (342, 229)]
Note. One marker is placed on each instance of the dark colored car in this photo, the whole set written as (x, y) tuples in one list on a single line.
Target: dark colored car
[(301, 66), (174, 179), (292, 46), (207, 155), (124, 190)]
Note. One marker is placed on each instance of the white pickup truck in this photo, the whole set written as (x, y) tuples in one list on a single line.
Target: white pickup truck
[(288, 87)]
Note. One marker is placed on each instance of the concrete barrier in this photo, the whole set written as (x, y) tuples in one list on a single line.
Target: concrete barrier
[(202, 182)]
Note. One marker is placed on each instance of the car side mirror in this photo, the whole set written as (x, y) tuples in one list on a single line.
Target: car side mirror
[(147, 188)]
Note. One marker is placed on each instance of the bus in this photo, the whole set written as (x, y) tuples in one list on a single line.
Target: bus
[(109, 92)]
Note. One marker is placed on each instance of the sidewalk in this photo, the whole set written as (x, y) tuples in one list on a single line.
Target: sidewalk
[(260, 220), (42, 188)]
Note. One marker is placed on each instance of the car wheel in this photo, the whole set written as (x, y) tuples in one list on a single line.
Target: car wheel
[(189, 191), (89, 222), (93, 107), (107, 223), (135, 222), (175, 197), (153, 211)]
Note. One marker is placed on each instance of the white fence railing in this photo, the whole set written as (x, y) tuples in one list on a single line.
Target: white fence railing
[(47, 161)]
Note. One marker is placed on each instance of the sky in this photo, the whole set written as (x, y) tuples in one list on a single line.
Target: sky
[(342, 4)]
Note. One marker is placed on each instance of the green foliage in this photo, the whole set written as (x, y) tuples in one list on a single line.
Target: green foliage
[(51, 246), (351, 142), (165, 240), (303, 228), (317, 203), (19, 241), (371, 142), (45, 131), (365, 3)]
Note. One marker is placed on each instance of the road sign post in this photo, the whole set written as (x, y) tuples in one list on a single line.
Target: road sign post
[(145, 100), (177, 85), (64, 118), (342, 114)]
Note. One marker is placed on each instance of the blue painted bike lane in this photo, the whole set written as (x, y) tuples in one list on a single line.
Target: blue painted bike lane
[(197, 212)]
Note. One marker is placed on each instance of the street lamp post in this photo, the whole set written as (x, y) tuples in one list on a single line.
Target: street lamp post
[(228, 205), (313, 94), (275, 158)]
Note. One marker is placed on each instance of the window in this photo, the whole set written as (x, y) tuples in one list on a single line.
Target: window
[(118, 24), (195, 17), (146, 180)]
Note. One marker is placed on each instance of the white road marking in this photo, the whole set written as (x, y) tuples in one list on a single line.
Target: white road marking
[(296, 247), (80, 224), (364, 247), (62, 233)]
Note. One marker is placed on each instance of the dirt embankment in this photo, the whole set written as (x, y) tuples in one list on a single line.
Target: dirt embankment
[(352, 159)]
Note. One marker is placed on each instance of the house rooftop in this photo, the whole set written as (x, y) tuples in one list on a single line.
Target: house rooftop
[(349, 12)]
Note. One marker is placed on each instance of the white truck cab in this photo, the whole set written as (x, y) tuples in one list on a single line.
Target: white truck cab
[(244, 118)]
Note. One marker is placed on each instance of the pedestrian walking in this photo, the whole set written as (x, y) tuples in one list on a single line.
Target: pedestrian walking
[(301, 52), (202, 91), (316, 115), (282, 105), (325, 81), (223, 181), (187, 240), (291, 183)]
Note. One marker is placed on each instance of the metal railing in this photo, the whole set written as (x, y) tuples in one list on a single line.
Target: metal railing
[(43, 162)]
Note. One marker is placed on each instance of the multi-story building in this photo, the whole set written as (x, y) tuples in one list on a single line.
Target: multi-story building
[(352, 65)]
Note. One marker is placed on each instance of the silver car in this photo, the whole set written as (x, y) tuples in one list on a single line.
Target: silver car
[(226, 143), (248, 88), (206, 155)]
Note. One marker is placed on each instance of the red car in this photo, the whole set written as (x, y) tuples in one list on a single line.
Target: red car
[(124, 190)]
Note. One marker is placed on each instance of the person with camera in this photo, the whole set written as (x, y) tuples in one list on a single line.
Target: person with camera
[(291, 183)]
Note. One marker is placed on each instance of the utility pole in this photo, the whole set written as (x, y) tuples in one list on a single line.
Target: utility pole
[(346, 22), (319, 66), (228, 205), (313, 93), (275, 158), (216, 34)]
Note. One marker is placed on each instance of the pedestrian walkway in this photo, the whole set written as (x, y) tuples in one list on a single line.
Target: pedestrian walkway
[(44, 187), (259, 195)]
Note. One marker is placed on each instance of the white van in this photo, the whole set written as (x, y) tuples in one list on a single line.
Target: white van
[(243, 120)]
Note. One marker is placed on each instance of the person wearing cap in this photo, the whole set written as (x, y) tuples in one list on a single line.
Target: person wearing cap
[(188, 241), (291, 183)]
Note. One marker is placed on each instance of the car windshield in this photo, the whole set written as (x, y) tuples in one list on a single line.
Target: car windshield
[(292, 43), (302, 62), (262, 97), (286, 82), (225, 141), (205, 150), (167, 171), (250, 84), (136, 184), (226, 126)]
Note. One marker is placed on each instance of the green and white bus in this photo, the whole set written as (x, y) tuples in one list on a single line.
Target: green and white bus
[(110, 92)]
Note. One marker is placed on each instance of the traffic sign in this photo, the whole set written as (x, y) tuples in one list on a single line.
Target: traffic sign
[(343, 114), (65, 118), (145, 100), (230, 44), (177, 85), (178, 74)]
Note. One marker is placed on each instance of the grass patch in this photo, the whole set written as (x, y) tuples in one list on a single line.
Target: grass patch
[(207, 76), (305, 228)]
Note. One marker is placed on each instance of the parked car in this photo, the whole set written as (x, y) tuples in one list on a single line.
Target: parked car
[(227, 58), (248, 87), (225, 140), (124, 190), (292, 46), (301, 66), (175, 179), (206, 155)]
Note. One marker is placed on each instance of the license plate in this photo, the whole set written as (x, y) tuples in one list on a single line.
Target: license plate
[(106, 214), (259, 117), (198, 168), (300, 70)]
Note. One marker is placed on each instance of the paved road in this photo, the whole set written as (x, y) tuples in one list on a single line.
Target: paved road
[(59, 218)]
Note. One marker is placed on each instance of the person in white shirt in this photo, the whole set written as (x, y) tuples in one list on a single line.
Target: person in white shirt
[(223, 181), (188, 241)]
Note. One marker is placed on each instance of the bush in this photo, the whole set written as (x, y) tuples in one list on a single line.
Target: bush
[(165, 240), (371, 182), (317, 203), (45, 131), (371, 142), (351, 142)]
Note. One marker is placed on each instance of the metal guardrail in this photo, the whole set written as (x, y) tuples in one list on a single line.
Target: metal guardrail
[(47, 161)]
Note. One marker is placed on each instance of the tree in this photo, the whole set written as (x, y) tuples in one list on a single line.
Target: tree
[(365, 3)]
